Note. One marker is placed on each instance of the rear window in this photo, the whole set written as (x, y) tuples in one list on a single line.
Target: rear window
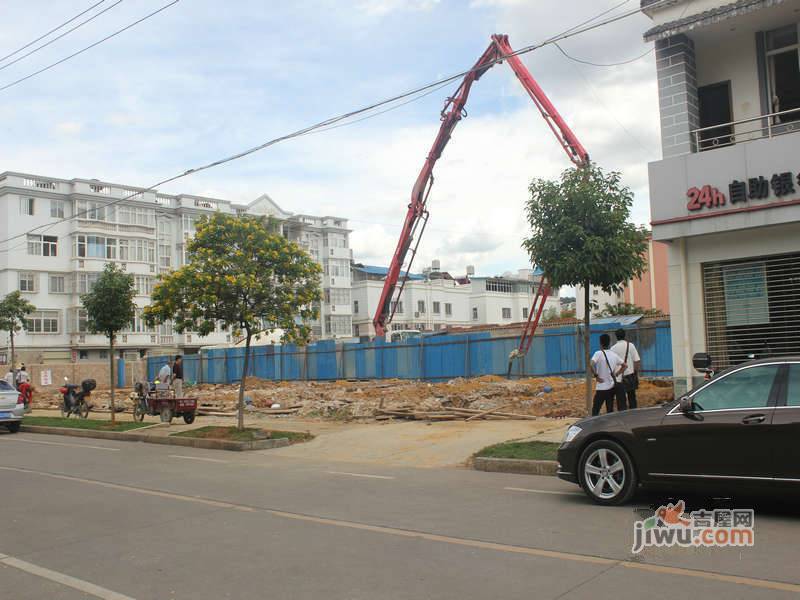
[(5, 386)]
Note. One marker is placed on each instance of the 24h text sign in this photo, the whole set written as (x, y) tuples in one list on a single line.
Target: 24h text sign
[(755, 188)]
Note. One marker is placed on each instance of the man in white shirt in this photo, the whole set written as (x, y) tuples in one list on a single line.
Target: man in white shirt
[(630, 357), (164, 376), (607, 368)]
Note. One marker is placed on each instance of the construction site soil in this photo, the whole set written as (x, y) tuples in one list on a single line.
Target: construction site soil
[(552, 397)]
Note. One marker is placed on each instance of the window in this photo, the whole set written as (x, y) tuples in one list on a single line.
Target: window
[(34, 245), (83, 354), (57, 284), (448, 309), (111, 248), (95, 210), (164, 255), (474, 313), (28, 282), (103, 354), (793, 392), (57, 209), (746, 388), (39, 245), (338, 296), (397, 307), (42, 321), (437, 308), (338, 325), (144, 285), (524, 312), (783, 70), (86, 282), (494, 285), (123, 250), (421, 307), (506, 313), (26, 206), (355, 308)]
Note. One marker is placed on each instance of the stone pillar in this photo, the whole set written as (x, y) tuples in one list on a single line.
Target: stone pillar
[(677, 95)]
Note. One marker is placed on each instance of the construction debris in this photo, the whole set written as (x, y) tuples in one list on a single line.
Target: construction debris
[(483, 398)]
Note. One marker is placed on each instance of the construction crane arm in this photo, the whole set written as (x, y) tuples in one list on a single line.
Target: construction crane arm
[(417, 216)]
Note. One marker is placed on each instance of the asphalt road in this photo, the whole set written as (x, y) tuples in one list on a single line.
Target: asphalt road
[(95, 519)]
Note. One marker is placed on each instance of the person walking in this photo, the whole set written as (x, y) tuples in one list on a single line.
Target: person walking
[(164, 375), (633, 363), (177, 376), (22, 375), (10, 377), (606, 367)]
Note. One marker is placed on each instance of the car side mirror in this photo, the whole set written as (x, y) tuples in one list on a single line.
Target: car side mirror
[(701, 361), (685, 404)]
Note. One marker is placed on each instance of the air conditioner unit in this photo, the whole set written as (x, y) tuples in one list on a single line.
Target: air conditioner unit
[(81, 264), (124, 339), (416, 315)]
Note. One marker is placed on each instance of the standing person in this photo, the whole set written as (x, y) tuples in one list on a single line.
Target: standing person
[(10, 377), (177, 376), (164, 375), (22, 375), (607, 367), (633, 363)]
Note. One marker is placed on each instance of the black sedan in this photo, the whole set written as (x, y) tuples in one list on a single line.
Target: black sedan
[(739, 430)]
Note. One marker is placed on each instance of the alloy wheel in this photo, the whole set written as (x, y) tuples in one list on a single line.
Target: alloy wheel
[(604, 473)]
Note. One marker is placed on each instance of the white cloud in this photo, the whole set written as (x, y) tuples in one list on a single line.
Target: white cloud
[(380, 8), (69, 128)]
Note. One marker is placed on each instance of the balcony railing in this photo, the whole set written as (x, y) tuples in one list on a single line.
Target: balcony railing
[(747, 130)]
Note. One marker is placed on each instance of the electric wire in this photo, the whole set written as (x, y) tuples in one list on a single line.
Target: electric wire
[(332, 120), (89, 47), (41, 37), (58, 37), (614, 64)]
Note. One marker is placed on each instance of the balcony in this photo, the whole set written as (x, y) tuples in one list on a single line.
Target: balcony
[(747, 130)]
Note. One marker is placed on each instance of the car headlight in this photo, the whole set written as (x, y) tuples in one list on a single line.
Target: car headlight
[(572, 432)]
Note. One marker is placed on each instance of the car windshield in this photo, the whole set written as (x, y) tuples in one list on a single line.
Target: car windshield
[(5, 386)]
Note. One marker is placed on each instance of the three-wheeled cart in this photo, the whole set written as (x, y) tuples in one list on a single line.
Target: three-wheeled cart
[(155, 400)]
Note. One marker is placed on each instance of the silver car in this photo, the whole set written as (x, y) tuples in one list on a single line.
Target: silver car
[(12, 408)]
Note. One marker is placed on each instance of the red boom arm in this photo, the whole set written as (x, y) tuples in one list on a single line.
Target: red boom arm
[(453, 111)]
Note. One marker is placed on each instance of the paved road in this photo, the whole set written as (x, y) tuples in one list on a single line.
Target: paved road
[(88, 518)]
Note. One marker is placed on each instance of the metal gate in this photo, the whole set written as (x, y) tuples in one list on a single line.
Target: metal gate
[(752, 308)]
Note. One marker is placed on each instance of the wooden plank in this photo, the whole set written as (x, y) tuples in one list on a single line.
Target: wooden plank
[(487, 412)]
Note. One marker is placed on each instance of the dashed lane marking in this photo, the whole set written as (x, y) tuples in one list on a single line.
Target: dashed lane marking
[(556, 492), (359, 475), (20, 439), (213, 460)]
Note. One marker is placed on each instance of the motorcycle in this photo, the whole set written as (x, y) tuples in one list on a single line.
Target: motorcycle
[(75, 398)]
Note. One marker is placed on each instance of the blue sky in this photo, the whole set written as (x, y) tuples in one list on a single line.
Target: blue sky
[(205, 79)]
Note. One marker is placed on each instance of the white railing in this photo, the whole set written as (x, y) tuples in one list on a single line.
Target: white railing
[(747, 130)]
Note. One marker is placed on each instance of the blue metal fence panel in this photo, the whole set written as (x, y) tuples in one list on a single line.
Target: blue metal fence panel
[(554, 351)]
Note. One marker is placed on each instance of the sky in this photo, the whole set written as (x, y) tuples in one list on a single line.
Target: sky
[(205, 79)]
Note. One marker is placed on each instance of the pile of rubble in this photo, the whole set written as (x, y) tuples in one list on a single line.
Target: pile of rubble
[(460, 398)]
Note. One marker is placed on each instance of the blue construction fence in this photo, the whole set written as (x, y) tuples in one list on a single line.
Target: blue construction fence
[(555, 351)]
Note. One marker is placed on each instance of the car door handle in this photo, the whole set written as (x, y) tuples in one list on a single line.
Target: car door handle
[(754, 419)]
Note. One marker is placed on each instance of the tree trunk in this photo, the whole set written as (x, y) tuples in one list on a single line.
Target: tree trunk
[(13, 358), (586, 349), (111, 374), (240, 408)]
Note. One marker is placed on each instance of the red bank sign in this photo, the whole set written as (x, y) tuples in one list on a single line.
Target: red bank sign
[(755, 188)]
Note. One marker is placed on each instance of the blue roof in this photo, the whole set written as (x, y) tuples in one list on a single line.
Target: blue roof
[(383, 271)]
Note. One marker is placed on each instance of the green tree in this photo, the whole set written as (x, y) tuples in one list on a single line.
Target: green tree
[(581, 235), (551, 314), (13, 310), (243, 275), (110, 309), (626, 308)]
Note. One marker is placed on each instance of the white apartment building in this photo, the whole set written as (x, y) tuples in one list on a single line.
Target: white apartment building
[(145, 232), (725, 198), (436, 300)]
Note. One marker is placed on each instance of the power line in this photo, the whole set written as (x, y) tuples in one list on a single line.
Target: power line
[(89, 47), (337, 119), (594, 64), (41, 37), (58, 37)]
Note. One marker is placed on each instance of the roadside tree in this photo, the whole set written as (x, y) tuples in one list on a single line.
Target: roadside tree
[(13, 312), (243, 275), (110, 309), (581, 235)]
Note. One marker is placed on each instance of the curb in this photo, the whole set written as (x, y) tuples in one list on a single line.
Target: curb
[(515, 465), (165, 440)]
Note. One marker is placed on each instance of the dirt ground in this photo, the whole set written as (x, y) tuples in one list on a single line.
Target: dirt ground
[(553, 397)]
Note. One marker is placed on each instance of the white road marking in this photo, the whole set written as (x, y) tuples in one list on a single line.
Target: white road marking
[(61, 578), (214, 460), (65, 444), (359, 475), (557, 493)]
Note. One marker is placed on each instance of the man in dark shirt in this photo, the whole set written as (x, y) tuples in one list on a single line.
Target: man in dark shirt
[(177, 376)]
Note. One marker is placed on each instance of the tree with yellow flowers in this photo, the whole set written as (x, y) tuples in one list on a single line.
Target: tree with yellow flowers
[(242, 274)]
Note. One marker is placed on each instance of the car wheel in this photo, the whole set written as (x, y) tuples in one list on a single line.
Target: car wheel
[(606, 473), (14, 426), (188, 418)]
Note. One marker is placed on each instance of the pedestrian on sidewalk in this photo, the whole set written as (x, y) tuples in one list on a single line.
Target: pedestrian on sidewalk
[(633, 363), (177, 376), (607, 368)]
